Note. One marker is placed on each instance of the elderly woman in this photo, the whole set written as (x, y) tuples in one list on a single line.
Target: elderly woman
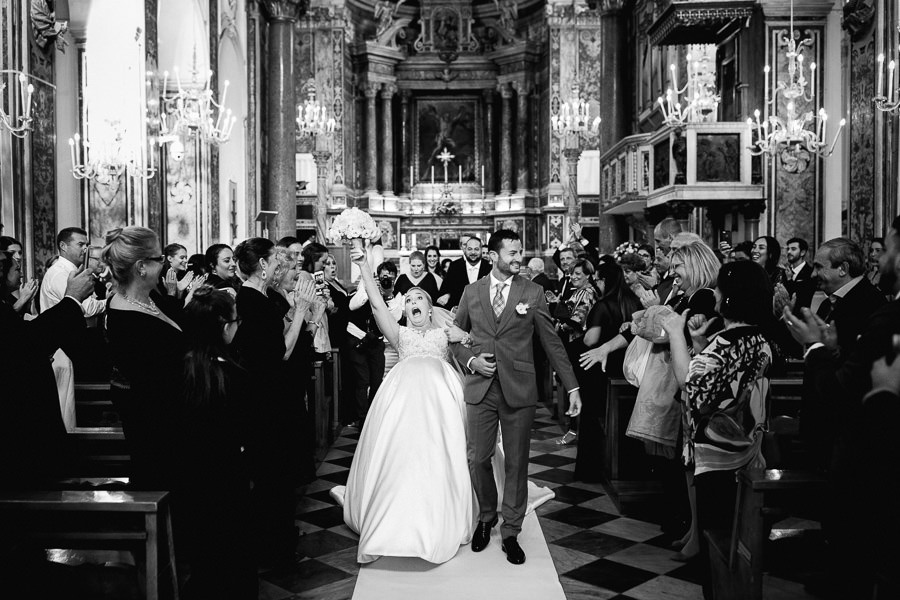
[(419, 276), (266, 339), (725, 390), (145, 340), (222, 268), (633, 267)]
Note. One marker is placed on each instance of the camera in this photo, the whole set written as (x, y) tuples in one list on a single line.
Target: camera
[(386, 282)]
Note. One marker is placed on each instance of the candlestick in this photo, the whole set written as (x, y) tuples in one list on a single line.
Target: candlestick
[(460, 174)]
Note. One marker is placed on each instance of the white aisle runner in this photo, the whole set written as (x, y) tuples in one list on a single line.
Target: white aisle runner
[(470, 576)]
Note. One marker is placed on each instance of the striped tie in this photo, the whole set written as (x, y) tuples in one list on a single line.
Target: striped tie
[(498, 300)]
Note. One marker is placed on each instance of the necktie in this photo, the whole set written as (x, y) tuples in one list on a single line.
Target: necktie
[(825, 309), (498, 300)]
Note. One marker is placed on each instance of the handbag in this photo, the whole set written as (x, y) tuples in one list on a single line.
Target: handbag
[(635, 362)]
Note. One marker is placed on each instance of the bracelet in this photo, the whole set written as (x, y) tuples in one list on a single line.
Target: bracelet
[(288, 319)]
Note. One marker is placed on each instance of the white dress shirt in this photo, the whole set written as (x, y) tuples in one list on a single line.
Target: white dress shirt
[(495, 282), (796, 270), (53, 289), (472, 270)]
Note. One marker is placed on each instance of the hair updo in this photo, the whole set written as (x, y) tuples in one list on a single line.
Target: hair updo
[(124, 247), (249, 252)]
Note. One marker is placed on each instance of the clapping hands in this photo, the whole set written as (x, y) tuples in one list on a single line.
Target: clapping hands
[(781, 299), (810, 329), (26, 292), (648, 298)]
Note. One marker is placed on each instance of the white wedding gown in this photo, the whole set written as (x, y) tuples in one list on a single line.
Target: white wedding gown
[(409, 492)]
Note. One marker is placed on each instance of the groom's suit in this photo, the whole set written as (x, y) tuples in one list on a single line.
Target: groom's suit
[(510, 396)]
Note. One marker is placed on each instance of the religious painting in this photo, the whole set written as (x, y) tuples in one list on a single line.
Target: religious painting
[(718, 157), (390, 233), (516, 224), (450, 125), (530, 240), (420, 241)]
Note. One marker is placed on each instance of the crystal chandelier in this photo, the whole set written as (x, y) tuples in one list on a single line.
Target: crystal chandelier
[(788, 137), (107, 161), (194, 113), (21, 126), (700, 96), (890, 102), (312, 116), (574, 117)]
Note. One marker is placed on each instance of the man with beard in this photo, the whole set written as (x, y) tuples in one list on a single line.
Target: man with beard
[(468, 269), (861, 474)]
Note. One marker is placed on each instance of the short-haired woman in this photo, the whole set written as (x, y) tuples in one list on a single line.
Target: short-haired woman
[(419, 276)]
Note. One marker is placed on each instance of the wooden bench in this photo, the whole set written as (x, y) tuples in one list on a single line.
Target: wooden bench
[(95, 520), (100, 452), (94, 406), (736, 557)]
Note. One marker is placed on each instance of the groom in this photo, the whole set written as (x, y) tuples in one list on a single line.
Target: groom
[(502, 312)]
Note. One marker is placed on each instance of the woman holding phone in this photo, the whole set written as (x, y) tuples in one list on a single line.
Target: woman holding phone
[(312, 265)]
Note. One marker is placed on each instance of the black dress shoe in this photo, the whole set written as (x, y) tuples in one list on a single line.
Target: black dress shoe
[(482, 535), (513, 550)]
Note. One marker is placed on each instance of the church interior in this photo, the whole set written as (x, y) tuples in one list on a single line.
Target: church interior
[(216, 121)]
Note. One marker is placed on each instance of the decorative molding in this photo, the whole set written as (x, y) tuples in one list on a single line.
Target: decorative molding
[(686, 22), (284, 10)]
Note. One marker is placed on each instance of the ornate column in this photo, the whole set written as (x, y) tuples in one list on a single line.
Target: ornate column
[(506, 180), (573, 207), (281, 105), (614, 93), (320, 208), (489, 142), (387, 146), (523, 127), (407, 182), (371, 92)]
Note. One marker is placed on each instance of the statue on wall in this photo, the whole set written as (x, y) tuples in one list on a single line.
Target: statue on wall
[(506, 23), (388, 28), (47, 25)]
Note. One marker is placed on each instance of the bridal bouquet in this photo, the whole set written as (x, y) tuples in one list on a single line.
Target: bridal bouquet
[(353, 224)]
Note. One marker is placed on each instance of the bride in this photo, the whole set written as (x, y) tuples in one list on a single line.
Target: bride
[(409, 492)]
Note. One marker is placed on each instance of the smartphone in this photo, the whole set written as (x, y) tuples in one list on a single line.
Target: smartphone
[(92, 258), (319, 278), (725, 236)]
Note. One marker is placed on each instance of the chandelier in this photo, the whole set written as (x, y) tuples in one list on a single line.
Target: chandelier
[(700, 96), (194, 113), (107, 161), (21, 126), (890, 102), (789, 138), (312, 116), (574, 117)]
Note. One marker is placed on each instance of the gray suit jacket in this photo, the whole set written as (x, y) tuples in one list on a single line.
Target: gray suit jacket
[(509, 340)]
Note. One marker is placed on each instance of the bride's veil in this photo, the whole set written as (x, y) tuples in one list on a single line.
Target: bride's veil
[(443, 318)]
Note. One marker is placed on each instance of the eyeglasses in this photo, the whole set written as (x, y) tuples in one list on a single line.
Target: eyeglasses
[(237, 320)]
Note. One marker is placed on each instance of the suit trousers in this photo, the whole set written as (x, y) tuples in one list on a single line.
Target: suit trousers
[(515, 425), (368, 369)]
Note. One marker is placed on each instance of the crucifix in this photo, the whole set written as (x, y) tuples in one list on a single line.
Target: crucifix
[(445, 157)]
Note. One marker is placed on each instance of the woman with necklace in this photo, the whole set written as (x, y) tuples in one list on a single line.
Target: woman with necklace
[(419, 276), (266, 339), (145, 340)]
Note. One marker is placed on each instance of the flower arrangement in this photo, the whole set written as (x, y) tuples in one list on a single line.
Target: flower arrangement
[(625, 248), (353, 224)]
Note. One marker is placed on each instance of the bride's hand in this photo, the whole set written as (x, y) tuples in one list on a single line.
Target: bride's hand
[(455, 334), (358, 256)]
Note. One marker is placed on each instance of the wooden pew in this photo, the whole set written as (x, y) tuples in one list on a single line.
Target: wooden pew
[(94, 405), (95, 519), (736, 557), (100, 452)]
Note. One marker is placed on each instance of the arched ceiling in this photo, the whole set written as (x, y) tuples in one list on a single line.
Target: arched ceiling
[(482, 8)]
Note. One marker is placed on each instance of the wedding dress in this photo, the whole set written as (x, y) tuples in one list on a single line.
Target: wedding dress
[(409, 492)]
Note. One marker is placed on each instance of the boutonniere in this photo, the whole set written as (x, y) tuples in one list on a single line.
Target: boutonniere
[(522, 308)]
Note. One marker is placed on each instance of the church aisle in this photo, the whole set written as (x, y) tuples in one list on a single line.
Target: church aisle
[(597, 552)]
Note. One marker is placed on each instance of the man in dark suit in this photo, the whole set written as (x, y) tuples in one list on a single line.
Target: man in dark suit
[(468, 269), (801, 283), (536, 269), (839, 379), (34, 447), (663, 235)]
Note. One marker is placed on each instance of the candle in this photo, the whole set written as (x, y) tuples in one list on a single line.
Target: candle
[(411, 180), (482, 179), (445, 174), (460, 174), (837, 135), (890, 84), (432, 174), (879, 87), (72, 152), (674, 76)]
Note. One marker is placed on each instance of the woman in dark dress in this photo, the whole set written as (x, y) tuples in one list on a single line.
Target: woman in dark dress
[(145, 340), (266, 339), (616, 305), (215, 499), (222, 267), (419, 277), (767, 253)]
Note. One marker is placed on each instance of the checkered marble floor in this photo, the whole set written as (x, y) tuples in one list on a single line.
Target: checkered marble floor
[(598, 553)]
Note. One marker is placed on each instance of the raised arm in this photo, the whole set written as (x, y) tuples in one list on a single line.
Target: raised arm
[(383, 317)]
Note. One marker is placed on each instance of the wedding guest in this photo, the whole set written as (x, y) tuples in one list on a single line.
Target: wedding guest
[(338, 315), (144, 341), (175, 279), (536, 268), (876, 250), (222, 268), (800, 284), (572, 329), (633, 266), (741, 251), (648, 277), (463, 271), (12, 290), (445, 265), (663, 234), (580, 246), (616, 305), (312, 261), (434, 264), (196, 264), (541, 366), (210, 447), (419, 276), (13, 246), (725, 382), (267, 337), (34, 449), (767, 254)]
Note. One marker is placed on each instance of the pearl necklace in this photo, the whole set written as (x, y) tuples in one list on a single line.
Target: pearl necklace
[(150, 308)]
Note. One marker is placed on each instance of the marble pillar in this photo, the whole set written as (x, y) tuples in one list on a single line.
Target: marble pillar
[(573, 206), (506, 180), (489, 142), (407, 179), (280, 110), (371, 92), (524, 142), (320, 208), (615, 97), (387, 145)]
